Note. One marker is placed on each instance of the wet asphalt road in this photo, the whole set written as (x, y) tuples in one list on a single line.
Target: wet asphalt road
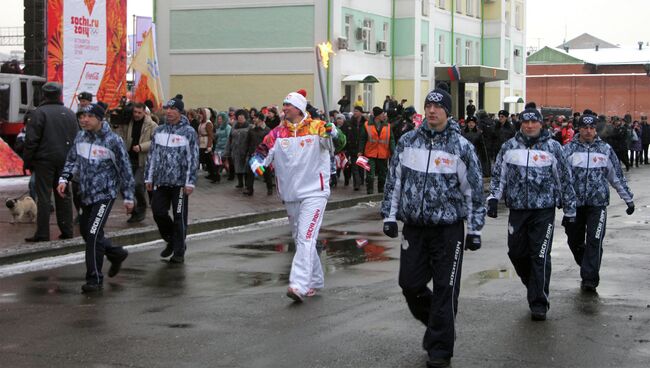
[(225, 307)]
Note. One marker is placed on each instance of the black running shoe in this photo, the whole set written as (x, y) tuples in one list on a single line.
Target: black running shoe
[(438, 362), (169, 249), (177, 259), (538, 316), (91, 288), (116, 266)]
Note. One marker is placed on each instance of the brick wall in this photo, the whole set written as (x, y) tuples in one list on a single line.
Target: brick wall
[(590, 87)]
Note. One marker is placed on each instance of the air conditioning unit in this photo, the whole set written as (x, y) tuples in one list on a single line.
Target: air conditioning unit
[(342, 43), (359, 33), (517, 52), (381, 46)]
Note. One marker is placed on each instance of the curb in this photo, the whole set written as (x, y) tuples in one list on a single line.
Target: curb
[(150, 233)]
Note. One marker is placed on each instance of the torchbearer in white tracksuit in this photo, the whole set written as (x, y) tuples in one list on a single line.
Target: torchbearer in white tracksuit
[(299, 149)]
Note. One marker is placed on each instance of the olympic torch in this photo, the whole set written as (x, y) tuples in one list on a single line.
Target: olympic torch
[(323, 51)]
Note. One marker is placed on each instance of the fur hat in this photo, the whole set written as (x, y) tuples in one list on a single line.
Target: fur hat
[(85, 96)]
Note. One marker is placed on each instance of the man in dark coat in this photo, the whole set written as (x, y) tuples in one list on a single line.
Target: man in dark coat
[(356, 124), (256, 135), (645, 137), (503, 130), (405, 124), (50, 132)]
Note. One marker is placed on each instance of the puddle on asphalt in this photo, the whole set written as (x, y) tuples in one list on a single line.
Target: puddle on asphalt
[(180, 325), (483, 277), (334, 252)]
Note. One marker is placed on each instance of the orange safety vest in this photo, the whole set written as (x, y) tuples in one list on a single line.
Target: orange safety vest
[(378, 146)]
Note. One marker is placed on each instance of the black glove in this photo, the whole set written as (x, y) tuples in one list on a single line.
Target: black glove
[(568, 221), (630, 208), (390, 229), (472, 242), (492, 207)]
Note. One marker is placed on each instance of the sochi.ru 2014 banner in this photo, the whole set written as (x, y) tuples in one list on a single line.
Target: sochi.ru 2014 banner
[(86, 49)]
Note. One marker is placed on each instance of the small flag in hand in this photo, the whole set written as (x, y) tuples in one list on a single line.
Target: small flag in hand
[(362, 161)]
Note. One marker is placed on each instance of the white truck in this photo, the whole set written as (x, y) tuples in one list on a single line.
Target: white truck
[(18, 94)]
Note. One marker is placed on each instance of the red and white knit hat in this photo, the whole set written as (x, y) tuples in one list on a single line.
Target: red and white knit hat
[(298, 101)]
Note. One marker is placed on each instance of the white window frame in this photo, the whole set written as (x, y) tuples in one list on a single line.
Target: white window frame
[(468, 53), (470, 8), (518, 17), (425, 8), (442, 5), (349, 27), (458, 60), (441, 49), (368, 95), (477, 53), (367, 35), (424, 60), (459, 6)]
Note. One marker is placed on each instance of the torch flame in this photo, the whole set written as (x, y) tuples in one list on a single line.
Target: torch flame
[(325, 50)]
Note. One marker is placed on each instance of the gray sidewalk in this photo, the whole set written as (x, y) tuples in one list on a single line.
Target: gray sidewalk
[(211, 207)]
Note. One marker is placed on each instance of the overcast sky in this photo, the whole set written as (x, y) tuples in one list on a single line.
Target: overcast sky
[(622, 22)]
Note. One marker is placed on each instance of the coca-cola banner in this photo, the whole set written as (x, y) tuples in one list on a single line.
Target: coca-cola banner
[(87, 48)]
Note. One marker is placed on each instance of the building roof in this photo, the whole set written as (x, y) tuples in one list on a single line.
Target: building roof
[(586, 41), (618, 56), (607, 56)]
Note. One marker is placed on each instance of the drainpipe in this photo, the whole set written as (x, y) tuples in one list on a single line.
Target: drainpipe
[(453, 41), (482, 33), (392, 50), (329, 38)]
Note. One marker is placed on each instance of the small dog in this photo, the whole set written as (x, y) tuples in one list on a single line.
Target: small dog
[(21, 209)]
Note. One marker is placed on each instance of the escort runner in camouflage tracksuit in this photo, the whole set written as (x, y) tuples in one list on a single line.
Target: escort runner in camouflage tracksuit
[(594, 164), (434, 183), (531, 174), (100, 161), (171, 174)]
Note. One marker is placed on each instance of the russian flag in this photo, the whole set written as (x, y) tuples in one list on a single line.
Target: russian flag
[(454, 73), (362, 161)]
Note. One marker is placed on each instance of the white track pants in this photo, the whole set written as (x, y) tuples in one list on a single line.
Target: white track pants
[(305, 218)]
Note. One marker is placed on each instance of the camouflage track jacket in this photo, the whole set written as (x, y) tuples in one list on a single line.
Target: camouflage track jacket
[(174, 155), (533, 174), (435, 179), (102, 165), (593, 165)]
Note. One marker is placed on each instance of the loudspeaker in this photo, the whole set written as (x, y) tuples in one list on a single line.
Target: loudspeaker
[(35, 16)]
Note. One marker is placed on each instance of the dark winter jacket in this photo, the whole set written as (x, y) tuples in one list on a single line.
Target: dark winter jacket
[(645, 134), (99, 161), (403, 126), (503, 133), (533, 174), (593, 165), (255, 137), (236, 148), (475, 137), (50, 131), (173, 156), (434, 179)]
